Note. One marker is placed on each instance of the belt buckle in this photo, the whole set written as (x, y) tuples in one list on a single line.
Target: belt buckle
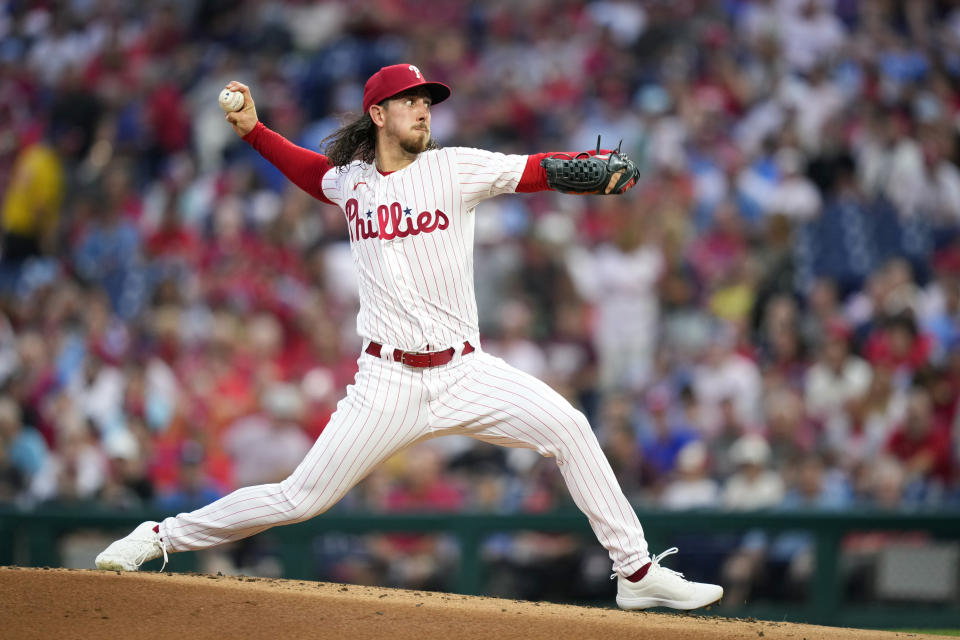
[(422, 359), (408, 358)]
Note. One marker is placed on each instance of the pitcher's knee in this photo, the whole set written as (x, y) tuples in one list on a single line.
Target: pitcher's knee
[(303, 502), (574, 432)]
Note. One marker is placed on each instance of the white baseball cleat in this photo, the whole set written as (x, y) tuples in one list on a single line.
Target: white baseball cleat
[(127, 554), (665, 588)]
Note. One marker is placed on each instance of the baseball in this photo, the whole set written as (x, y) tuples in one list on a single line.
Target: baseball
[(231, 100)]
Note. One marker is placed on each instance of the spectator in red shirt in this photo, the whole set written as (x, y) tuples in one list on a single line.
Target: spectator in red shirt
[(899, 343), (172, 240), (920, 443)]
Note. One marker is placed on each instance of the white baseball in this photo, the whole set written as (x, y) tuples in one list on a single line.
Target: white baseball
[(231, 100)]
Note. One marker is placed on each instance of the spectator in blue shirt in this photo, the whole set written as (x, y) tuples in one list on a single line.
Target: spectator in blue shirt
[(195, 489), (663, 432), (26, 448)]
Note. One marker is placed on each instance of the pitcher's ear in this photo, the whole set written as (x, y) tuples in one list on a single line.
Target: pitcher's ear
[(377, 114)]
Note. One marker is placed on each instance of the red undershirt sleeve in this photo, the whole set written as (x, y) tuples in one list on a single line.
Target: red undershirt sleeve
[(303, 167), (534, 176)]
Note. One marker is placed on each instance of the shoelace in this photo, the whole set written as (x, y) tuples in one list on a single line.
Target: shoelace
[(158, 542), (655, 560), (668, 552)]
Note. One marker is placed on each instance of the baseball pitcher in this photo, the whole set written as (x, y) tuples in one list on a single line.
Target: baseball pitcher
[(409, 206)]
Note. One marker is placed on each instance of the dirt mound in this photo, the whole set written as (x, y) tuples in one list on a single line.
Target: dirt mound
[(69, 603)]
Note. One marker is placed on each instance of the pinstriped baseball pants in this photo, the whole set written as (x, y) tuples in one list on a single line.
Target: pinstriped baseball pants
[(391, 406)]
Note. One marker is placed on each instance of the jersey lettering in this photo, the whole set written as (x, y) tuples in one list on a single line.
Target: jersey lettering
[(358, 227), (394, 221)]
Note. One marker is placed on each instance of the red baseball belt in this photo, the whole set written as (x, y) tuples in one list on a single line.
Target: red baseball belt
[(420, 360)]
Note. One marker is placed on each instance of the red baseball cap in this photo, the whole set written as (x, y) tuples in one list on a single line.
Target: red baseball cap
[(390, 81)]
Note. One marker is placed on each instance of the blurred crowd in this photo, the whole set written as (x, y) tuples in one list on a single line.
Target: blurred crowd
[(771, 319)]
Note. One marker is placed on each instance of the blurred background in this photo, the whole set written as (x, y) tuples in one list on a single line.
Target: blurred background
[(764, 333)]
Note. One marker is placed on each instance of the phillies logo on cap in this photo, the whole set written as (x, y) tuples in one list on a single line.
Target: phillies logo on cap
[(397, 78)]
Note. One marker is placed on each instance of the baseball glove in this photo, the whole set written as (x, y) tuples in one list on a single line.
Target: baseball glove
[(590, 173)]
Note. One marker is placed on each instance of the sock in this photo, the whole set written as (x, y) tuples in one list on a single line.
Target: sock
[(641, 572)]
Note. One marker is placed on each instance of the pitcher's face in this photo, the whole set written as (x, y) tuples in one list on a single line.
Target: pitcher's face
[(407, 120)]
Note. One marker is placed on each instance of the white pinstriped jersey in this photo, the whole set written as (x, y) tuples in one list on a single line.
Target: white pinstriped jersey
[(411, 236)]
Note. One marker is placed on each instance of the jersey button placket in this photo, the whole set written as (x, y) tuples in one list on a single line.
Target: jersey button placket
[(395, 255)]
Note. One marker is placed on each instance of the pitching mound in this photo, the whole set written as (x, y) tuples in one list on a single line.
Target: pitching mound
[(67, 603)]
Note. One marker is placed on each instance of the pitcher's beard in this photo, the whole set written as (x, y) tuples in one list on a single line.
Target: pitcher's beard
[(416, 144)]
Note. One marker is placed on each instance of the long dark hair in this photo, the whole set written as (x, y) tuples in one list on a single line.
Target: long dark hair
[(356, 140)]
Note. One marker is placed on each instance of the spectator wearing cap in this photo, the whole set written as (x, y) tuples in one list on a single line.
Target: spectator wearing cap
[(692, 486), (754, 485)]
